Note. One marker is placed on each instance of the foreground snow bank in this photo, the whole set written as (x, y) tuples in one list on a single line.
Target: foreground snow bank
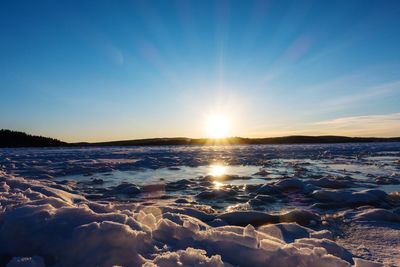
[(43, 224)]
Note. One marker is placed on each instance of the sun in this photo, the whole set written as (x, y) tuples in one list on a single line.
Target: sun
[(217, 126)]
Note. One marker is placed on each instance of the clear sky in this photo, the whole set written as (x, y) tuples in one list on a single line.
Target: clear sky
[(106, 70)]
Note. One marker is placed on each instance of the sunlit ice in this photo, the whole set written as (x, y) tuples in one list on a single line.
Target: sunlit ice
[(217, 170), (217, 185)]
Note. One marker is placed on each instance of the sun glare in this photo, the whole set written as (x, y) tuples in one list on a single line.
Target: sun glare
[(217, 126), (218, 185), (217, 170)]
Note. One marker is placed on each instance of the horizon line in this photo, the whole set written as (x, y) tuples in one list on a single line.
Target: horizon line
[(203, 138)]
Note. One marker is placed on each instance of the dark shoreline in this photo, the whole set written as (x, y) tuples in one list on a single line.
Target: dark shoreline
[(242, 141), (13, 139)]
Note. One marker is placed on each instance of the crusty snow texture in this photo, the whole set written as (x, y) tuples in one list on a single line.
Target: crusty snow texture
[(42, 224)]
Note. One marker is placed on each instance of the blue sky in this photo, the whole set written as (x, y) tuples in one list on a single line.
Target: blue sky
[(104, 70)]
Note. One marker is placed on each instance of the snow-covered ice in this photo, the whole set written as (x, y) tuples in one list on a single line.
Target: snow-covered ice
[(304, 205)]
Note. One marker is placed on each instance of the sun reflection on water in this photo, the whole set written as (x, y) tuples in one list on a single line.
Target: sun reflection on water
[(217, 170), (217, 185)]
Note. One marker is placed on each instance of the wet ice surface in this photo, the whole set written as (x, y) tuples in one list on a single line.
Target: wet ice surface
[(342, 189), (225, 177)]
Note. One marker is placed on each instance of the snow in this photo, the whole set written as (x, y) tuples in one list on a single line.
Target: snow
[(378, 215), (374, 241), (126, 189), (34, 261), (349, 197), (287, 232), (66, 229), (188, 257), (364, 263), (306, 210)]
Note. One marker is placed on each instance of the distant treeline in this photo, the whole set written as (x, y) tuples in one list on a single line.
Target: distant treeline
[(19, 139), (296, 139)]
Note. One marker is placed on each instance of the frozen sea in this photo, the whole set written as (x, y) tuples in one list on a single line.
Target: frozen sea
[(352, 190), (199, 168)]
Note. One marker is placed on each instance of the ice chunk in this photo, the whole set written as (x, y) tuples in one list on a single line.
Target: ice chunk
[(289, 183), (287, 232), (346, 197), (34, 261), (322, 234), (188, 257), (377, 215), (330, 246), (127, 189), (243, 218)]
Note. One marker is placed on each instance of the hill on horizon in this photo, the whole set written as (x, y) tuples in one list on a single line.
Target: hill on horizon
[(9, 138)]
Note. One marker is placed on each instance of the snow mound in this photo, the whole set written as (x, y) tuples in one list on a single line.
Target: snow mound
[(350, 198), (368, 214)]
